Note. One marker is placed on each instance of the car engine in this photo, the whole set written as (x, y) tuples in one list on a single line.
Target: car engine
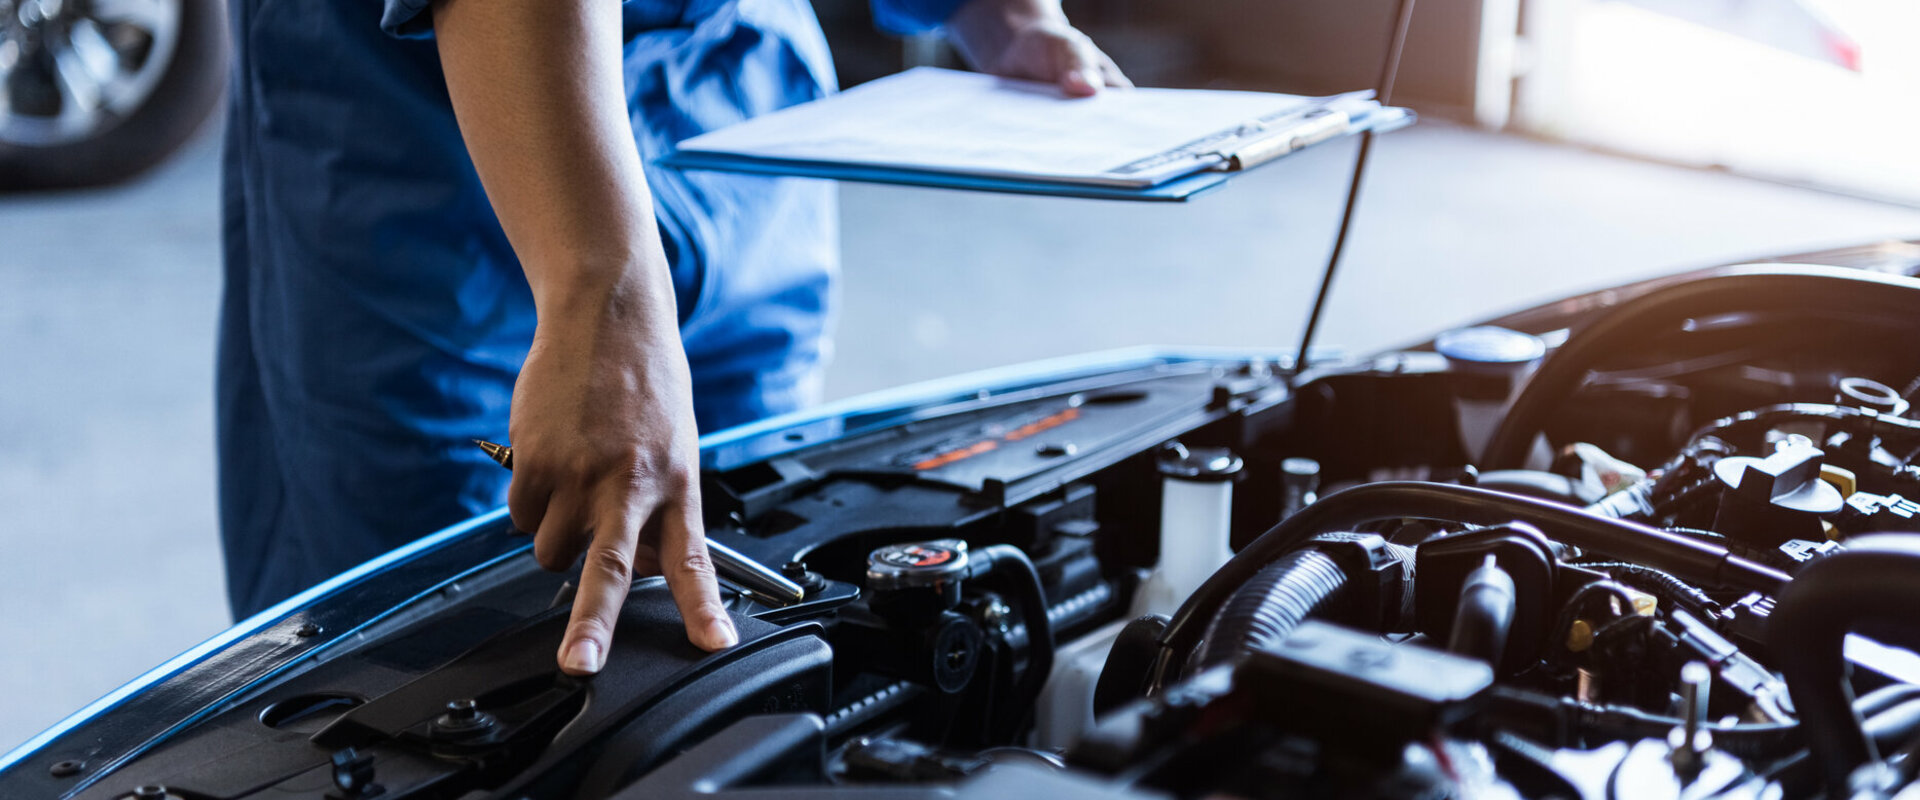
[(1648, 542)]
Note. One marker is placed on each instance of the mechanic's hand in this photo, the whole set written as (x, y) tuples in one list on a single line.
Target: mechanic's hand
[(606, 460), (1032, 39)]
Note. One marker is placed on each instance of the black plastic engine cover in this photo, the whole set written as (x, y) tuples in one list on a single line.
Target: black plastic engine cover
[(533, 726)]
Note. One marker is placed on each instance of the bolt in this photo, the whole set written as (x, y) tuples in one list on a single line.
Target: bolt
[(151, 791), (66, 769), (463, 711), (996, 613), (1689, 743), (353, 772), (794, 570), (463, 718)]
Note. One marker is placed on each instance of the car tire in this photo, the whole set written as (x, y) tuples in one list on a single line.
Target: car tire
[(175, 106)]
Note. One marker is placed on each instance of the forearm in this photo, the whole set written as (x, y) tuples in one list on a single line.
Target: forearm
[(606, 452), (536, 87)]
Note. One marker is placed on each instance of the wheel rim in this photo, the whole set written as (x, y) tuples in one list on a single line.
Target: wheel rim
[(72, 69)]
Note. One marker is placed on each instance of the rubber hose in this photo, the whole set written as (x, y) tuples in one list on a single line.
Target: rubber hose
[(1016, 572), (1532, 483), (1769, 288), (1875, 579), (1268, 607), (1698, 562), (1484, 616)]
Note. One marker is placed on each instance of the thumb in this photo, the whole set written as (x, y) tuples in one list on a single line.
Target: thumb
[(1080, 82)]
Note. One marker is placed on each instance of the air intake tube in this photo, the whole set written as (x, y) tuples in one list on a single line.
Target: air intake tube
[(1358, 579), (1271, 605)]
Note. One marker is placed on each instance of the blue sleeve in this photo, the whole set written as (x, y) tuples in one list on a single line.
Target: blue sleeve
[(407, 19), (902, 17)]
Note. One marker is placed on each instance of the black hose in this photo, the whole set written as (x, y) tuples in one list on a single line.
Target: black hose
[(1669, 589), (1018, 575), (1754, 289), (1270, 605), (1698, 562), (1532, 483), (1875, 579), (1484, 616)]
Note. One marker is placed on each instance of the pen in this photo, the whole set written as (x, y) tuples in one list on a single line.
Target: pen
[(727, 561)]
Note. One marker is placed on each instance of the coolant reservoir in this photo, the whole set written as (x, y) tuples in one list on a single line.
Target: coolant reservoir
[(1196, 519)]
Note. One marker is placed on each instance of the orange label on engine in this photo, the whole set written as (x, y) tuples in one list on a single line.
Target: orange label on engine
[(1045, 423)]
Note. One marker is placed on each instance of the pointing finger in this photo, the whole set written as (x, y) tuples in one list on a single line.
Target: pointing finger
[(605, 578)]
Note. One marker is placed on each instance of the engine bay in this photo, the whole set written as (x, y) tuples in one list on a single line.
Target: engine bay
[(1649, 542)]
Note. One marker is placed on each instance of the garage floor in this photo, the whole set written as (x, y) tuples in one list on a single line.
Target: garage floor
[(110, 562)]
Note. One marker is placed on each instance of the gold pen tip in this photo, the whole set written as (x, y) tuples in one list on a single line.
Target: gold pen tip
[(498, 452)]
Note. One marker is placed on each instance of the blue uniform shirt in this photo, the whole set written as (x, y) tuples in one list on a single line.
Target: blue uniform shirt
[(375, 316)]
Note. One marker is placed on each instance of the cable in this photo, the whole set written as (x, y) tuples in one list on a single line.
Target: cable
[(1660, 584), (1558, 721), (1383, 93), (1570, 612), (1897, 431), (1698, 533)]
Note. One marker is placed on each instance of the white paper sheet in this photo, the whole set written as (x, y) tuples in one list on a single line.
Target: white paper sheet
[(967, 123)]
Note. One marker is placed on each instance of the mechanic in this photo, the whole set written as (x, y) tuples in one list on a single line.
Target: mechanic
[(442, 223)]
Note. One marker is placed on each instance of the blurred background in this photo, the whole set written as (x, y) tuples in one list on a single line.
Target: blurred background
[(1565, 145)]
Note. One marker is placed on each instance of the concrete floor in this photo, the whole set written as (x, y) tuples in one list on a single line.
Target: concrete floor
[(109, 562)]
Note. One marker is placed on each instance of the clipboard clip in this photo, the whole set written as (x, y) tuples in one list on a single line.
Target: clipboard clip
[(1270, 141)]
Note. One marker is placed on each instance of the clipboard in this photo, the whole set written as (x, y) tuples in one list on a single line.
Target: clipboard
[(1197, 165)]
